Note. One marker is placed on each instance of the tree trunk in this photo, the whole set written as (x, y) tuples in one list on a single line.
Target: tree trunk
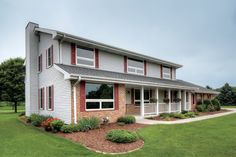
[(15, 105)]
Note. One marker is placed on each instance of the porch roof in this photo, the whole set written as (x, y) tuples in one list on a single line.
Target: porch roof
[(90, 74)]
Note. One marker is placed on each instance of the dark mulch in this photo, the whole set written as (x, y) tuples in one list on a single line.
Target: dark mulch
[(212, 113), (95, 139)]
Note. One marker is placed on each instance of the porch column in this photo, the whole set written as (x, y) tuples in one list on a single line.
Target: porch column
[(169, 97), (180, 97), (189, 101), (142, 101), (157, 103), (184, 100)]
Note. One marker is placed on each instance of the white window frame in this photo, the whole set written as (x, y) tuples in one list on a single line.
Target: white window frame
[(47, 57), (135, 68), (164, 73), (85, 59), (100, 101)]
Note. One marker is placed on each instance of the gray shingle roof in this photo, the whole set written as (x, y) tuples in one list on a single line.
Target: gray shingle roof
[(75, 70)]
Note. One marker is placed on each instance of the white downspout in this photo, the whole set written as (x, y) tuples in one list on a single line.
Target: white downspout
[(74, 96)]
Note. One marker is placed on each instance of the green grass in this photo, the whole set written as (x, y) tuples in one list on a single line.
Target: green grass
[(214, 137), (228, 106), (9, 109)]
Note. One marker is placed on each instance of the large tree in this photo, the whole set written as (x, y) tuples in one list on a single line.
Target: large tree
[(227, 96), (12, 74)]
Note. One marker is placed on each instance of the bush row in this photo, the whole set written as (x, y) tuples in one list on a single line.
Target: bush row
[(183, 115), (122, 136), (209, 106)]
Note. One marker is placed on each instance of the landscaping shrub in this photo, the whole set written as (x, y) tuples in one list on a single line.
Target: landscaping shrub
[(184, 112), (216, 104), (211, 108), (201, 108), (56, 125), (179, 115), (47, 123), (127, 119), (164, 115), (85, 124), (37, 119), (67, 128), (22, 114), (190, 114), (122, 136), (207, 102)]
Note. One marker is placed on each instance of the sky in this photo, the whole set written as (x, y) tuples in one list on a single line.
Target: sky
[(198, 34)]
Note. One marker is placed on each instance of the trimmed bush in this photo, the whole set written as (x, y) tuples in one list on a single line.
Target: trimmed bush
[(201, 108), (211, 108), (164, 115), (47, 123), (67, 128), (56, 125), (36, 119), (216, 104), (184, 112), (190, 114), (207, 102), (179, 115), (122, 136), (85, 124), (127, 119)]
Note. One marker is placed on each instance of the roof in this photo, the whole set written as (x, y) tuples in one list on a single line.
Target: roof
[(73, 72), (112, 49)]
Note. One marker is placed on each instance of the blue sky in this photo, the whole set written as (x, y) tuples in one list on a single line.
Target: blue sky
[(199, 34)]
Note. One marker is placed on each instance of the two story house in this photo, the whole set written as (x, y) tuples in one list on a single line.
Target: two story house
[(70, 77)]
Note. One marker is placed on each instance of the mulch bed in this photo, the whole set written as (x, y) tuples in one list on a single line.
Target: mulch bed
[(95, 139), (158, 118)]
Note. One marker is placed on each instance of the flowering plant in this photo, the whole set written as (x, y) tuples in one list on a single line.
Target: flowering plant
[(46, 123)]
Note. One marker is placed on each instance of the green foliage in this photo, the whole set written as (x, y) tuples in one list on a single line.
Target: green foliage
[(210, 108), (227, 96), (179, 116), (190, 114), (127, 119), (122, 136), (67, 128), (201, 108), (12, 75), (56, 125), (207, 102), (184, 111), (86, 124), (36, 119), (216, 104)]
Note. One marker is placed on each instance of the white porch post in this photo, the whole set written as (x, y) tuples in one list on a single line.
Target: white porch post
[(180, 97), (142, 101), (189, 101), (169, 97), (184, 100), (157, 103)]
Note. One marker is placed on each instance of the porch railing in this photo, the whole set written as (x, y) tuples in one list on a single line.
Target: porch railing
[(163, 107), (188, 106), (150, 108), (175, 107)]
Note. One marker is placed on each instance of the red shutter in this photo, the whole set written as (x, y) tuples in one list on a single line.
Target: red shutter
[(73, 62), (171, 73), (125, 64), (52, 99), (39, 98), (43, 98), (47, 98), (82, 96), (52, 55), (116, 96), (161, 72), (145, 68), (96, 58)]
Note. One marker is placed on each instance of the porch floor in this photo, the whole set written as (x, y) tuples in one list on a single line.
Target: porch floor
[(142, 120)]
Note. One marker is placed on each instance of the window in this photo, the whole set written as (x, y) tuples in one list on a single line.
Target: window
[(50, 97), (85, 57), (49, 56), (135, 66), (137, 97), (166, 73), (40, 63), (41, 98), (99, 96)]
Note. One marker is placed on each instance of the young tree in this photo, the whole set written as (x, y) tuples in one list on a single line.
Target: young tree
[(208, 87), (12, 74), (227, 96)]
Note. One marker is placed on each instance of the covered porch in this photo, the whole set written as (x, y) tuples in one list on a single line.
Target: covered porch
[(149, 101)]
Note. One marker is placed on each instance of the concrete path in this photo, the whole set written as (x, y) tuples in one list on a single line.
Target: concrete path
[(141, 120)]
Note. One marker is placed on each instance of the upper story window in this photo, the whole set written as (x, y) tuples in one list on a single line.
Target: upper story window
[(99, 96), (135, 66), (166, 73), (49, 56), (85, 57)]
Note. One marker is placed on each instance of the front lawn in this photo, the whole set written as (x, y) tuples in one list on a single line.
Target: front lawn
[(214, 137), (228, 106)]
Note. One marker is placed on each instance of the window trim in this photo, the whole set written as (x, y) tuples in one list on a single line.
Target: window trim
[(84, 58), (100, 100), (135, 68)]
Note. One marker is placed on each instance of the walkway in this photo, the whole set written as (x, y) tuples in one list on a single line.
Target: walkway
[(141, 120)]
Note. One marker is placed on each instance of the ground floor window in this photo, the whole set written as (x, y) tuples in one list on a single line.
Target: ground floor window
[(99, 96), (137, 96)]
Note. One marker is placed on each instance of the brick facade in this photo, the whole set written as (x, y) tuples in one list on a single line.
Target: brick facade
[(111, 114)]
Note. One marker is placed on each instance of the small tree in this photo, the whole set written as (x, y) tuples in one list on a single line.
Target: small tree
[(208, 87), (227, 96), (12, 74)]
